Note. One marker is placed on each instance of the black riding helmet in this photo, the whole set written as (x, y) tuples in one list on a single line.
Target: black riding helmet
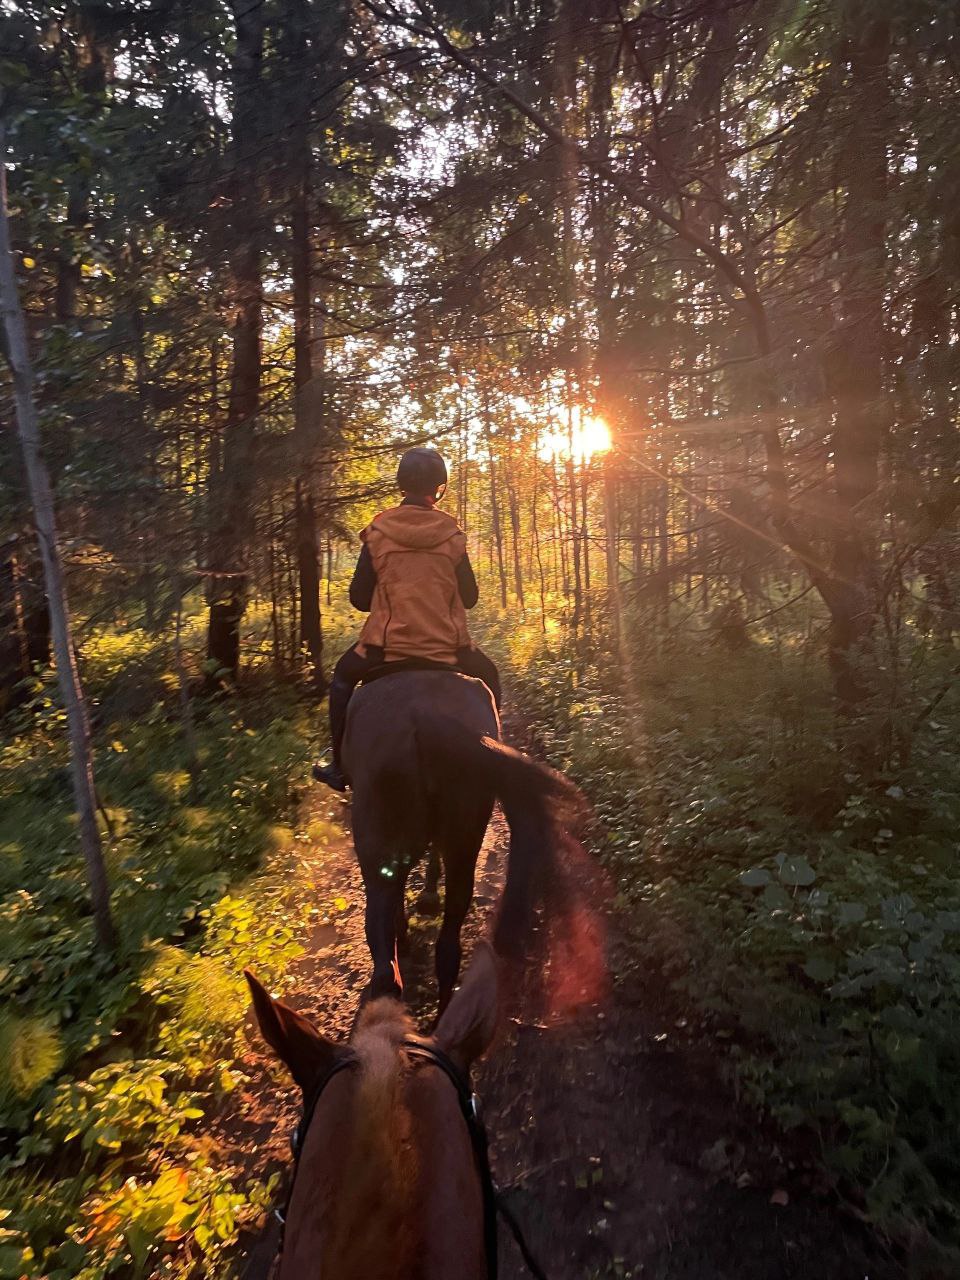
[(422, 473)]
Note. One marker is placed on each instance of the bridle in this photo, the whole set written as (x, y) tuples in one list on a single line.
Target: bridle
[(469, 1109)]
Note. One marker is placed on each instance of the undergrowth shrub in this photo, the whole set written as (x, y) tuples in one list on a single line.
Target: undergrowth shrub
[(109, 1066), (811, 913)]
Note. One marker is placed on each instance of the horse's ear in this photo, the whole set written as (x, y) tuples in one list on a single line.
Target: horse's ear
[(292, 1037), (466, 1028)]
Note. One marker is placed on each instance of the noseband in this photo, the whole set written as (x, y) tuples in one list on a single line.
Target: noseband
[(469, 1109)]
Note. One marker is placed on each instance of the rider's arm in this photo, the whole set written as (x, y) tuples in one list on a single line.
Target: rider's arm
[(363, 582), (467, 583)]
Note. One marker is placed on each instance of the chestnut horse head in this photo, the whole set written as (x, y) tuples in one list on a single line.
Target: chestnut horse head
[(388, 1183)]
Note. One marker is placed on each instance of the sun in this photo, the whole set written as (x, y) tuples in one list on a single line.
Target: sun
[(590, 437), (594, 437)]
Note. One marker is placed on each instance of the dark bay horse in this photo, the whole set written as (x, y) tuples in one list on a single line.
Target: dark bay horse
[(388, 1184), (422, 749)]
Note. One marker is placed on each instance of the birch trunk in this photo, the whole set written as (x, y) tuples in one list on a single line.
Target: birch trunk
[(41, 497)]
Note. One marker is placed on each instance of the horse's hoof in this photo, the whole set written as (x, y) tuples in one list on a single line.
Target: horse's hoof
[(428, 904)]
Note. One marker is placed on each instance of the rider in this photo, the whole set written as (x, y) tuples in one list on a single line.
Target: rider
[(415, 579)]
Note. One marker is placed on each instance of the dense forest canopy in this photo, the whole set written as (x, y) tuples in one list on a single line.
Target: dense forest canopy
[(672, 284), (261, 249)]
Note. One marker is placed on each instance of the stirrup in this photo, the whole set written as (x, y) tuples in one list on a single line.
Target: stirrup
[(331, 775)]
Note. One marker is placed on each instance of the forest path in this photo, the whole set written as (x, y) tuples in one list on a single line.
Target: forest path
[(621, 1151)]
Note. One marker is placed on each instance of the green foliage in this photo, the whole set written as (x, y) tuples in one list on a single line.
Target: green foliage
[(108, 1067), (30, 1053), (199, 991), (125, 1103), (811, 914)]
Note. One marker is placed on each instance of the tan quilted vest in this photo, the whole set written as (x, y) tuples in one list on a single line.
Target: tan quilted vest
[(416, 610)]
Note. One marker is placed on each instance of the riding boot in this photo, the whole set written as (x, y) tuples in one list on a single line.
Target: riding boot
[(332, 774)]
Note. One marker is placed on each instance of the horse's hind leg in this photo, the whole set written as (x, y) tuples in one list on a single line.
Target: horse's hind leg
[(384, 907), (456, 904), (428, 902), (463, 834)]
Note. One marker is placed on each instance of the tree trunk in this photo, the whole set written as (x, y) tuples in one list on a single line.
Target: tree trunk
[(607, 371), (24, 620), (663, 552), (95, 68), (559, 536), (611, 528), (41, 496), (183, 690), (585, 542), (538, 555), (233, 487), (571, 478), (495, 500), (857, 371), (308, 418), (308, 371), (514, 506)]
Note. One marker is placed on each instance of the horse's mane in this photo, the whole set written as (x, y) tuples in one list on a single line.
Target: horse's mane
[(379, 1172), (380, 1030)]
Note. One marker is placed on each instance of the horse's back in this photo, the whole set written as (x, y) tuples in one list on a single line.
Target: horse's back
[(394, 795), (382, 722)]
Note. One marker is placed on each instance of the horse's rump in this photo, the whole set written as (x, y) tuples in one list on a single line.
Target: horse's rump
[(399, 797)]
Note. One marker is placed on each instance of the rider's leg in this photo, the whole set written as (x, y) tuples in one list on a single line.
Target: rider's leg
[(349, 670), (474, 662)]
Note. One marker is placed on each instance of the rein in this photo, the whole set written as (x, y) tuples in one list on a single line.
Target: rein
[(469, 1109)]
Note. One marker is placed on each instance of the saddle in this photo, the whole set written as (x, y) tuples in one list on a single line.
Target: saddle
[(407, 664)]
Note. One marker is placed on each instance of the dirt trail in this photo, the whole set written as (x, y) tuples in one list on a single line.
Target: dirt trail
[(620, 1150)]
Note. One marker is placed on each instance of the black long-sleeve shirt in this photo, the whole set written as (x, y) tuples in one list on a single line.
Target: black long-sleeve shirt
[(364, 579)]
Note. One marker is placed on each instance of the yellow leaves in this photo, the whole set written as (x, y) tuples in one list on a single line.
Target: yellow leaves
[(195, 818), (320, 831), (228, 1080), (340, 904), (114, 821), (171, 783), (107, 654), (143, 1218), (142, 1214), (280, 838), (198, 989), (28, 262)]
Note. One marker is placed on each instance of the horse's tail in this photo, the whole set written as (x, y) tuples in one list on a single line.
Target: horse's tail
[(542, 808)]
